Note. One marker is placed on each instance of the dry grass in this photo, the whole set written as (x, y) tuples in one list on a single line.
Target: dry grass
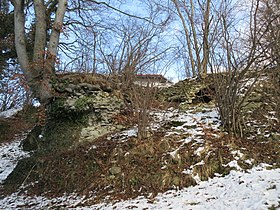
[(122, 169), (17, 125), (127, 169)]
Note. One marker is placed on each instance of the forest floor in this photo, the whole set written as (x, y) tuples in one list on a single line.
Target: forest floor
[(187, 149)]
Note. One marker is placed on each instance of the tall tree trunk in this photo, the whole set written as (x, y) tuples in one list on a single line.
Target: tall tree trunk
[(39, 72), (191, 17), (206, 29), (197, 39), (187, 35), (42, 88), (40, 33), (20, 42), (55, 33)]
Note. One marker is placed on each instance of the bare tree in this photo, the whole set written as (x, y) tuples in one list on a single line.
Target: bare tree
[(40, 69), (239, 63), (135, 49), (269, 26), (269, 38), (197, 20)]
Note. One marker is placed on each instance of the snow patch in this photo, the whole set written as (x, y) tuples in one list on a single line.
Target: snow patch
[(258, 189), (9, 113), (10, 154)]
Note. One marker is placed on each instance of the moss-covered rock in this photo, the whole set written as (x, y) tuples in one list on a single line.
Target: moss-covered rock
[(188, 91), (31, 142), (75, 154), (92, 112)]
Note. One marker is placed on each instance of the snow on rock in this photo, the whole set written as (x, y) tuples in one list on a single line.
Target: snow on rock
[(233, 164), (10, 153), (124, 135), (192, 121)]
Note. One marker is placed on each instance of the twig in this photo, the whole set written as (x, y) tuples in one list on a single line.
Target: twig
[(27, 176)]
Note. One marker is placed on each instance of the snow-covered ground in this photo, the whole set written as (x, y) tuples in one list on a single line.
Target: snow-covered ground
[(9, 113), (10, 153), (257, 188)]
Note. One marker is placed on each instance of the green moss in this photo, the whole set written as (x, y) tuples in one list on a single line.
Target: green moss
[(58, 83), (134, 181), (83, 103), (61, 135), (59, 111), (57, 108)]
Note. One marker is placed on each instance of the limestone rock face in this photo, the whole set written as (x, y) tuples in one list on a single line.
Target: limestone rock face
[(187, 92), (92, 97)]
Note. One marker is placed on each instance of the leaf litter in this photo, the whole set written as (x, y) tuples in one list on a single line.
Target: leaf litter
[(186, 163)]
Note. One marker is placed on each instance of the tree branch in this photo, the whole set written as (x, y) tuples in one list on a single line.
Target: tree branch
[(124, 13)]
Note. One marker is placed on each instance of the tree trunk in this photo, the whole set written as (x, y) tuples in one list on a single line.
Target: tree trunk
[(40, 33), (206, 29), (20, 42), (55, 33), (39, 72), (191, 17), (187, 35)]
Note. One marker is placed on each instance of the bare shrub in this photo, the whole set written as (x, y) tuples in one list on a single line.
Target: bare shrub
[(237, 69), (141, 97), (232, 91), (276, 85), (14, 91)]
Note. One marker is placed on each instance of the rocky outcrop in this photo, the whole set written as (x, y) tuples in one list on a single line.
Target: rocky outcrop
[(187, 92), (83, 110), (93, 97)]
